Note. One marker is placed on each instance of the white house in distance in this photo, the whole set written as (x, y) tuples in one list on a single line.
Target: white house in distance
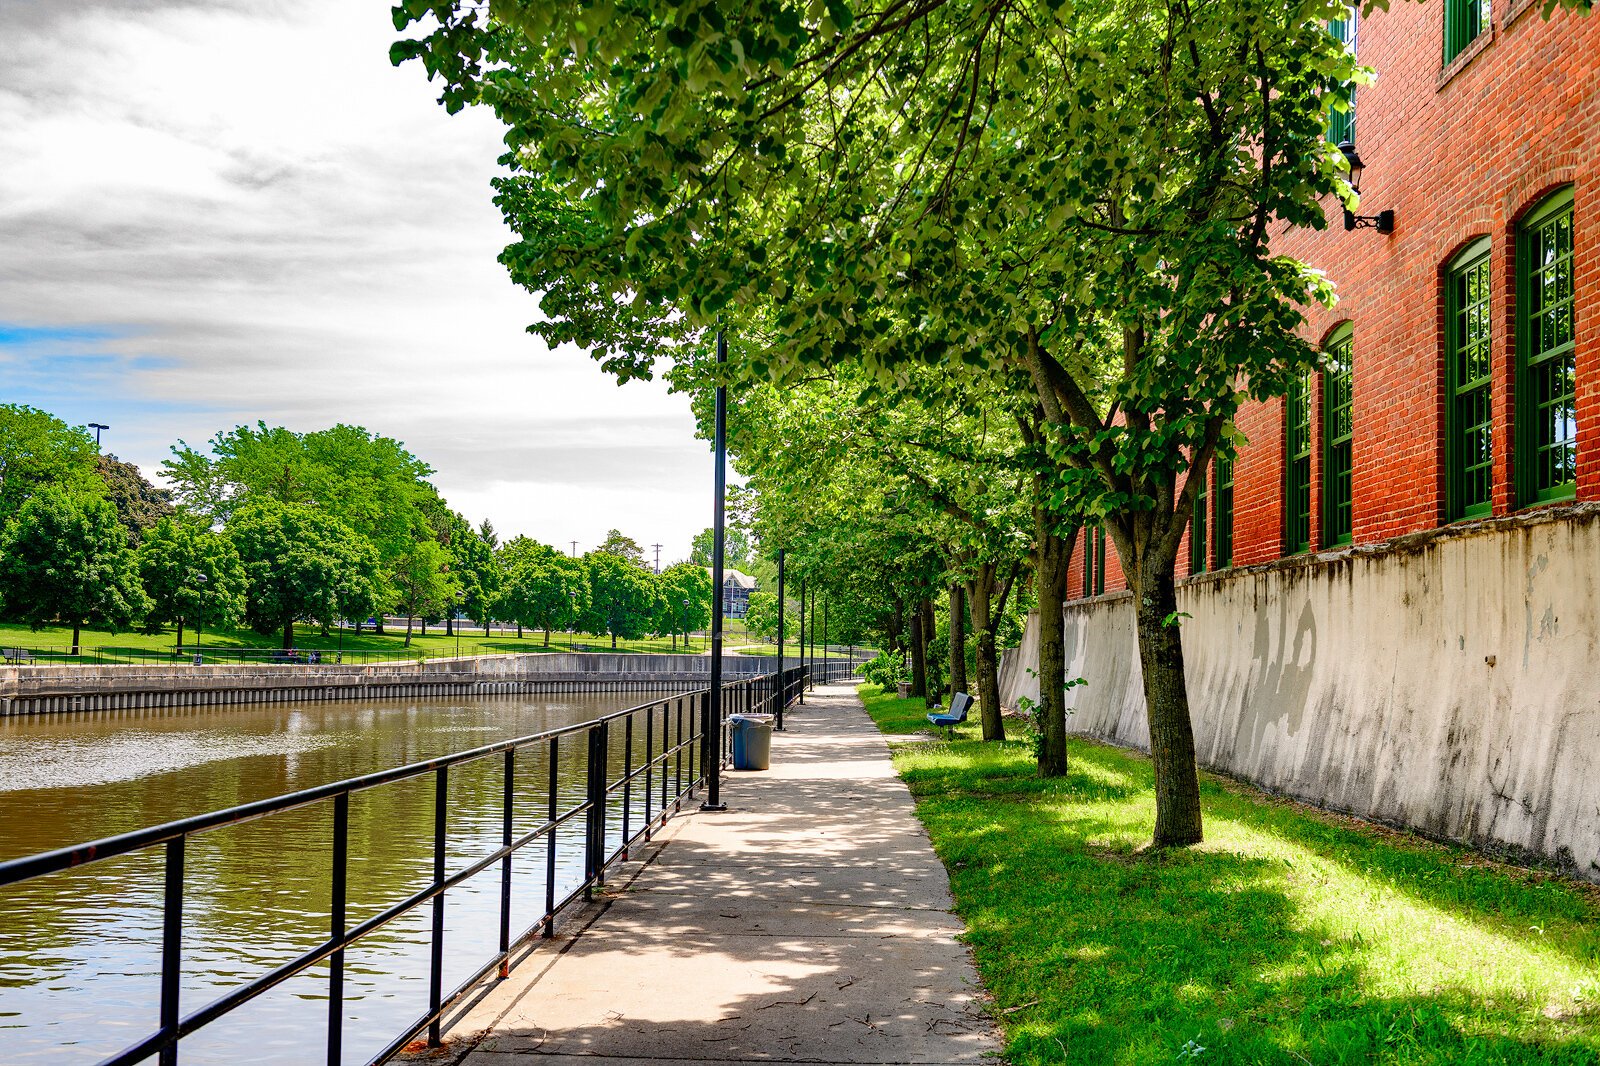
[(736, 589)]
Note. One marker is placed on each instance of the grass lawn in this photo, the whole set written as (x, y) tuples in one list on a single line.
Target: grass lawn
[(100, 646), (1289, 936)]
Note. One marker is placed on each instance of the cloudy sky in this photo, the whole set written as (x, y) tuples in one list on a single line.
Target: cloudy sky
[(217, 211)]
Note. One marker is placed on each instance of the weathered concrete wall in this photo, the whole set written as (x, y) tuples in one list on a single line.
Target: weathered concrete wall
[(1447, 681), (30, 689)]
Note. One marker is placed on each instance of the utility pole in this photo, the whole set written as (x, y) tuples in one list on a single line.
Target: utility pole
[(574, 554), (657, 547)]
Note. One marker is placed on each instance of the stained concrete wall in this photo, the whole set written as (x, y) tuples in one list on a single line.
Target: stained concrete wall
[(1447, 681)]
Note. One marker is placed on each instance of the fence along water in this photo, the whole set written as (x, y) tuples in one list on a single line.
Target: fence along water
[(664, 749)]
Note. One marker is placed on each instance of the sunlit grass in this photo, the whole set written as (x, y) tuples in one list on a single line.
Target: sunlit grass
[(1289, 936)]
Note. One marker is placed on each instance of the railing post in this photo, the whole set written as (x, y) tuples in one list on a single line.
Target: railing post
[(649, 766), (337, 894), (508, 795), (550, 841), (171, 949), (627, 782), (441, 803)]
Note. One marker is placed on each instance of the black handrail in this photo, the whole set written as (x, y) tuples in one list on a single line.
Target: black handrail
[(665, 753)]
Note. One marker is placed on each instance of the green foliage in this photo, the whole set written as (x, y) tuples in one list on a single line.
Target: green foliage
[(736, 548), (190, 574), (545, 591), (625, 548), (685, 599), (302, 564), (761, 617), (422, 583), (38, 449), (140, 505), (64, 555), (622, 597), (886, 670)]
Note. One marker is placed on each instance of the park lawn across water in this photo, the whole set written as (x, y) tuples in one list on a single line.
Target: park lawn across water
[(1290, 936)]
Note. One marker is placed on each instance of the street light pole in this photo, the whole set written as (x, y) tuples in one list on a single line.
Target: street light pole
[(455, 623), (802, 635), (97, 427), (712, 727), (782, 693), (199, 616)]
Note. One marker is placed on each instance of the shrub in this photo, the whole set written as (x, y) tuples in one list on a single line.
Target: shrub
[(887, 670)]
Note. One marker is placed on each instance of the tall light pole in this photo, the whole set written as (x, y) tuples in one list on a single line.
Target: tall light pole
[(97, 427), (572, 613), (199, 581), (802, 635), (712, 731), (782, 693), (455, 624), (685, 624)]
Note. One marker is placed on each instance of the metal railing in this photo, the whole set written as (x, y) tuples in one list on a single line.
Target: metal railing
[(664, 747)]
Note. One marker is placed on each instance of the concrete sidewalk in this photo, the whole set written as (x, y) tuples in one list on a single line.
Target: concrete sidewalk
[(809, 923)]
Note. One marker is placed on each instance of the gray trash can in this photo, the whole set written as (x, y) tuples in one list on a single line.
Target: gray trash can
[(752, 740)]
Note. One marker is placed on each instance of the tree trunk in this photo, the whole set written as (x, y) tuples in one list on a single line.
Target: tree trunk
[(378, 623), (1166, 697), (485, 629), (983, 629), (77, 631), (288, 634), (958, 640), (450, 625), (674, 640), (613, 640), (546, 635), (1054, 553), (919, 650), (408, 631), (180, 634)]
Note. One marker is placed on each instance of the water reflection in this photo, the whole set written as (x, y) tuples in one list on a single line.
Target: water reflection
[(79, 951)]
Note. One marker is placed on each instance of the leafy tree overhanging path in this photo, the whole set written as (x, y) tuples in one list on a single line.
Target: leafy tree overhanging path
[(810, 922)]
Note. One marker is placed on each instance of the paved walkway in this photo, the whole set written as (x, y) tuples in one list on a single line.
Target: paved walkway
[(809, 923)]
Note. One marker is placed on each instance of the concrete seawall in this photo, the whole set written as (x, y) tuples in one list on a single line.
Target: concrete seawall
[(47, 689), (1449, 682)]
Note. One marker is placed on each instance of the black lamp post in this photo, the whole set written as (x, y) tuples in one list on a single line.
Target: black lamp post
[(686, 624), (97, 427), (1383, 221), (712, 725), (782, 691), (199, 580), (338, 656), (455, 623), (572, 614)]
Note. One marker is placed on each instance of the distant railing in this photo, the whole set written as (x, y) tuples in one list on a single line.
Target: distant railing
[(211, 654), (664, 750)]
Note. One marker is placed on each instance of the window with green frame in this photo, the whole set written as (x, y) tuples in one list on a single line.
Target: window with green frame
[(1197, 531), (1469, 416), (1222, 540), (1297, 466), (1342, 120), (1464, 20), (1094, 561), (1547, 430), (1336, 439)]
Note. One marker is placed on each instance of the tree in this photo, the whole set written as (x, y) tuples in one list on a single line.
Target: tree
[(761, 619), (736, 548), (301, 563), (546, 592), (622, 597), (622, 547), (140, 505), (422, 583), (64, 556), (38, 449), (191, 575), (685, 601)]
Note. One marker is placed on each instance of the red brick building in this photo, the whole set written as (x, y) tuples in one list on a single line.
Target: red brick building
[(1471, 333)]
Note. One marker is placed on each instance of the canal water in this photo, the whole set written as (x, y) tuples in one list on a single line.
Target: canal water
[(80, 950)]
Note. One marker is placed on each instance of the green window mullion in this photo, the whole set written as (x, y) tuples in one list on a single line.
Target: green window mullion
[(1088, 562), (1546, 415), (1469, 451), (1297, 473), (1464, 20), (1222, 546), (1099, 561), (1337, 437), (1342, 121), (1197, 534)]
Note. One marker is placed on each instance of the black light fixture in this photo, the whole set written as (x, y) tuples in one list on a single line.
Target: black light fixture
[(1383, 221), (98, 427)]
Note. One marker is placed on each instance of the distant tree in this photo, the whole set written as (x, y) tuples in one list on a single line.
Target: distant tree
[(548, 593), (622, 597), (622, 547), (761, 619), (685, 600), (140, 505), (487, 534), (174, 558), (422, 583), (302, 563), (476, 568), (38, 449), (520, 549), (736, 548), (65, 556)]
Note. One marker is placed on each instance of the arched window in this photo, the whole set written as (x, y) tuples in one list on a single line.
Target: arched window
[(1337, 435), (1469, 416), (1547, 427), (1297, 466)]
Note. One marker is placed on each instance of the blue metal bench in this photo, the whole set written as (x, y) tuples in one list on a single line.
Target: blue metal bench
[(960, 703)]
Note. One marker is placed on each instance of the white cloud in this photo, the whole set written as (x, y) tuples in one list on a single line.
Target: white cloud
[(273, 222)]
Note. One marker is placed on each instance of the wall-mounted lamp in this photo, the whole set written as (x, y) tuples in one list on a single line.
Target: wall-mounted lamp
[(1383, 221)]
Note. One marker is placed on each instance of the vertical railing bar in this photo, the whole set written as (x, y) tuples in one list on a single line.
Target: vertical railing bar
[(602, 796), (441, 802), (336, 926), (509, 791), (171, 949), (649, 766), (627, 782), (550, 842)]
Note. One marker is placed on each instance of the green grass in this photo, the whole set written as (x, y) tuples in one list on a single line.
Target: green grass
[(1290, 936), (98, 645)]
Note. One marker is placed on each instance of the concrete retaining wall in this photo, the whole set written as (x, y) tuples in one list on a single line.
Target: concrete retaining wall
[(43, 689), (1447, 681)]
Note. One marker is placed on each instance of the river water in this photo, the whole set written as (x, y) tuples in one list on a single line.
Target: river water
[(80, 950)]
